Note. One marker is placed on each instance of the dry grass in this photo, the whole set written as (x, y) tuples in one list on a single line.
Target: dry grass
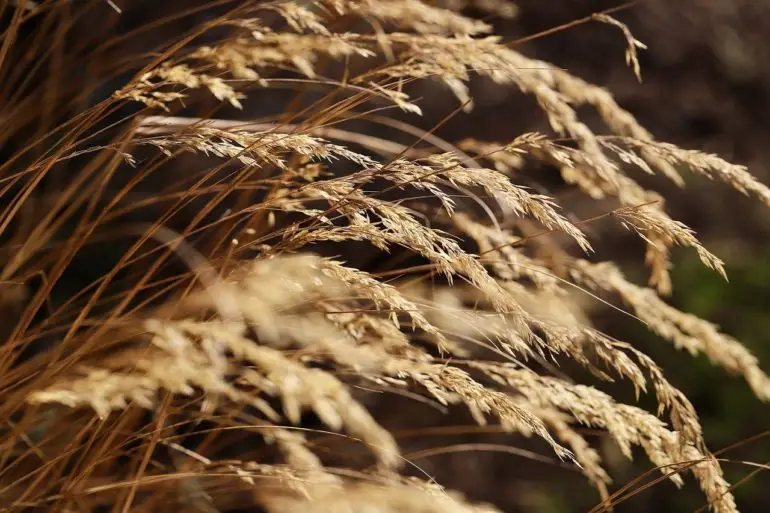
[(154, 387)]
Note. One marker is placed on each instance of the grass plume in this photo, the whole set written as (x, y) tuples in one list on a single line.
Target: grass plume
[(259, 271)]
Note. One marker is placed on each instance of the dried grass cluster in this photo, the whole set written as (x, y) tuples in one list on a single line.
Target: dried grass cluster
[(220, 385)]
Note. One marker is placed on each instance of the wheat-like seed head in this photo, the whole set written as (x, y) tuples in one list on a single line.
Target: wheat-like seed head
[(482, 283)]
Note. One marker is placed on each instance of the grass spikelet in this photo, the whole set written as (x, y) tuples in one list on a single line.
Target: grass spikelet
[(684, 330), (633, 43)]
